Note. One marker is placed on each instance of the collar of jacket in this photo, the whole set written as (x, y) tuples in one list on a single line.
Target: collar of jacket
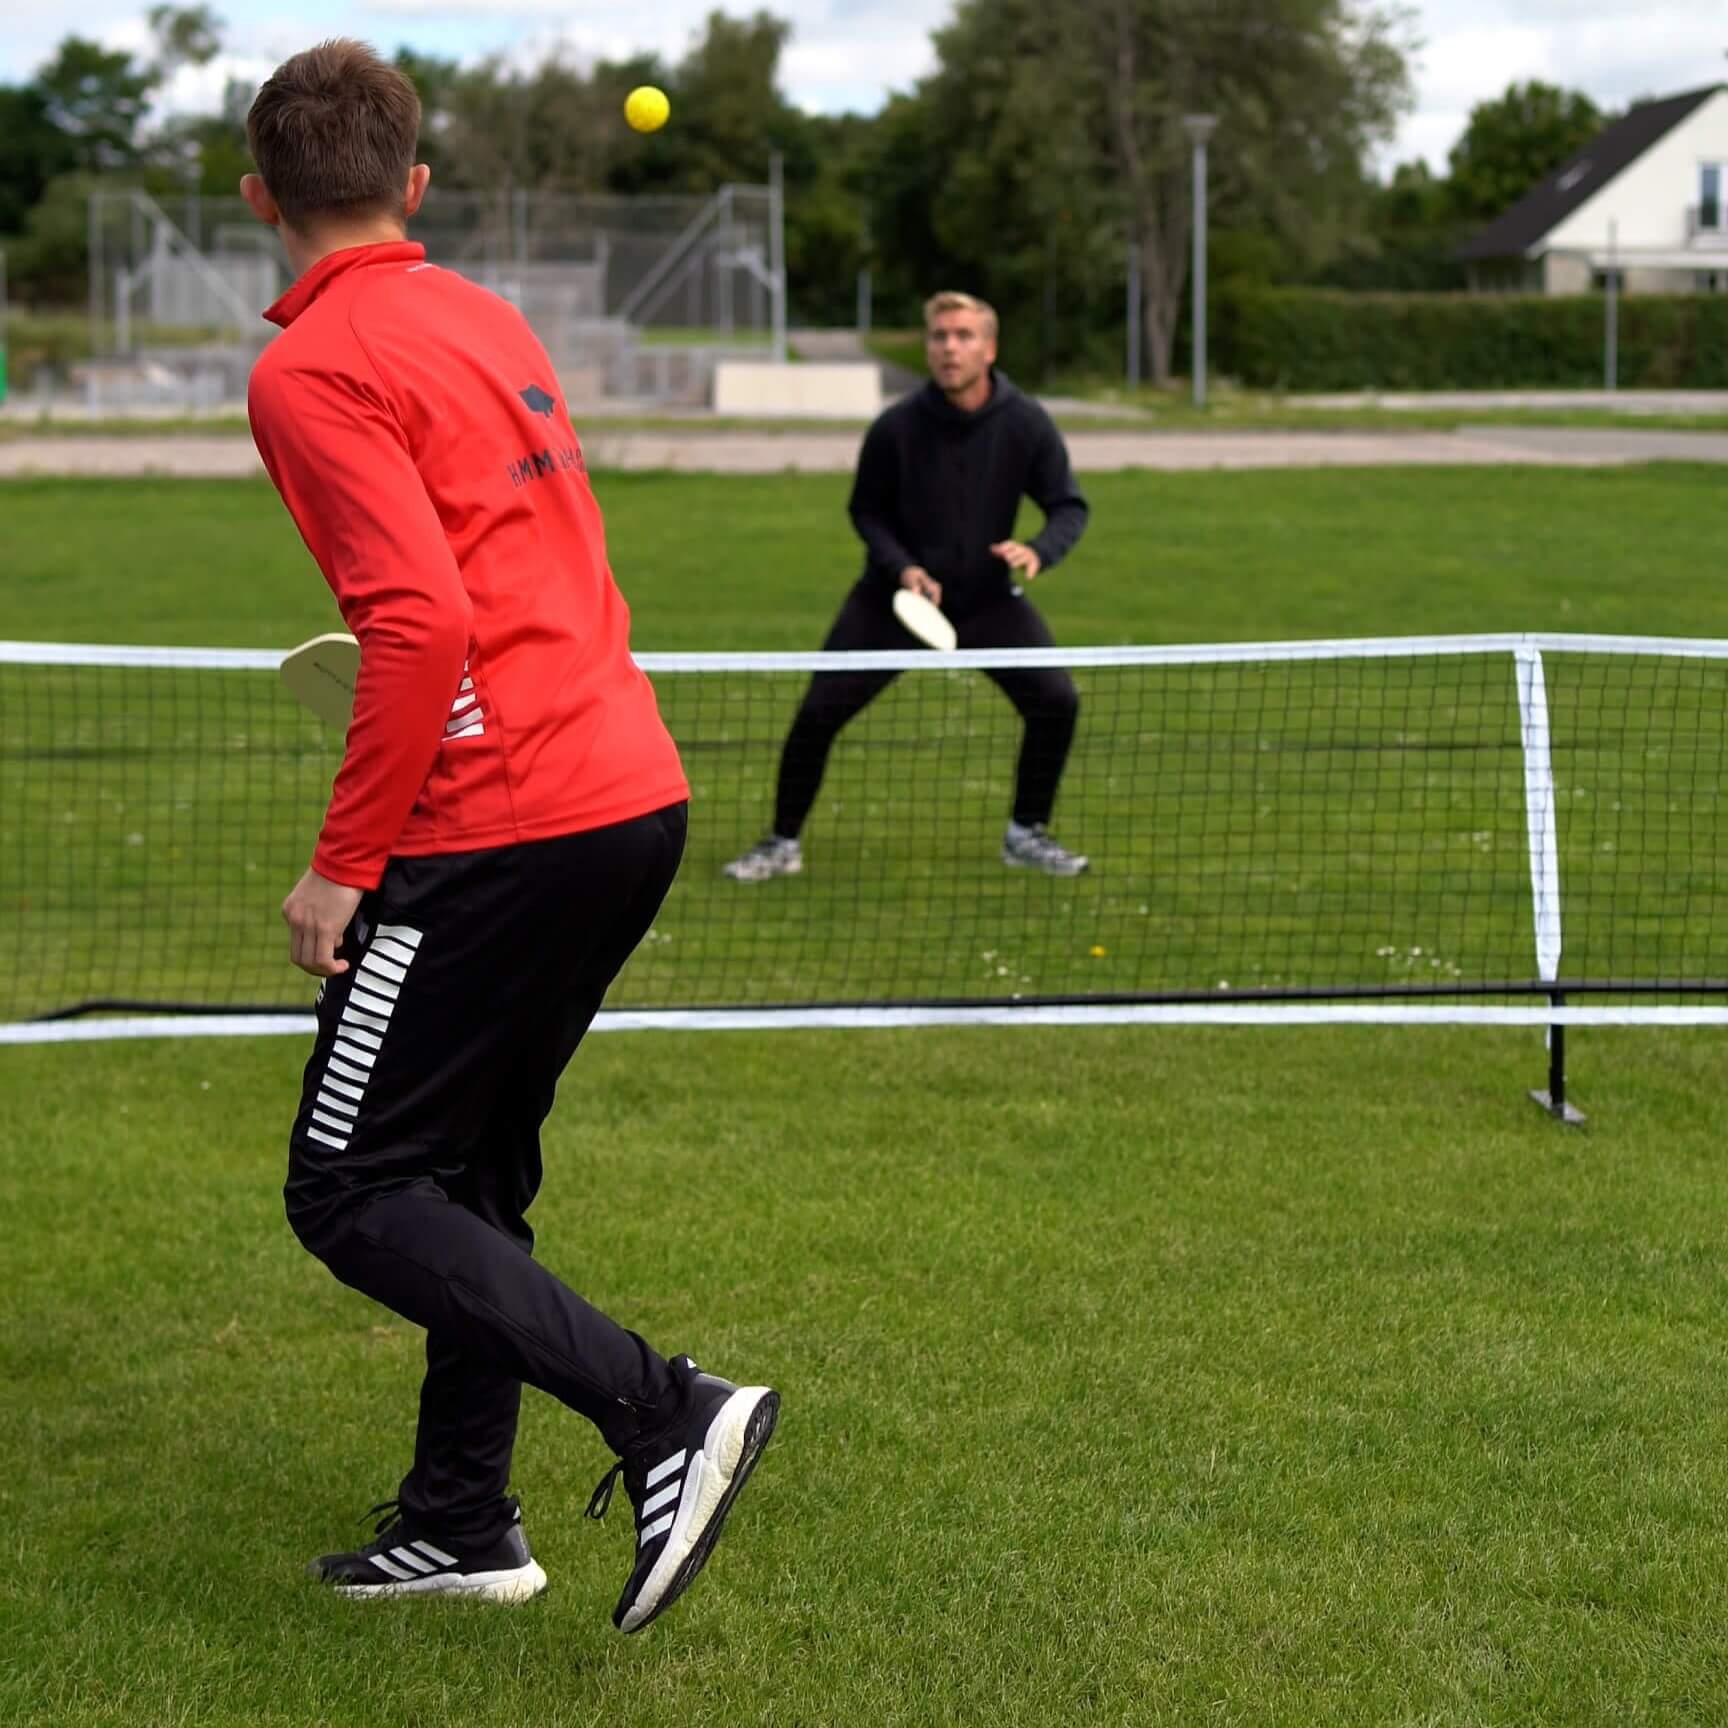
[(327, 269)]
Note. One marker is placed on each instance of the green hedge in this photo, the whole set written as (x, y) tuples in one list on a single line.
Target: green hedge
[(1306, 339)]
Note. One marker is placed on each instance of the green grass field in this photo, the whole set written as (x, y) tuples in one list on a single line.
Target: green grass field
[(1130, 1377), (1255, 828)]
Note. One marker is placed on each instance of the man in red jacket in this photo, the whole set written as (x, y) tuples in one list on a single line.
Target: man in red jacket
[(508, 817)]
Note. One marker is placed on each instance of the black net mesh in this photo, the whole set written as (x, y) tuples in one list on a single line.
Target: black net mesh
[(1295, 829)]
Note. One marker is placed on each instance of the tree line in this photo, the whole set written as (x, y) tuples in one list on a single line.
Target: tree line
[(1047, 141)]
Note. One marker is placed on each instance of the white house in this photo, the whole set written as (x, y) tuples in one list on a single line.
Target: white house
[(1647, 197)]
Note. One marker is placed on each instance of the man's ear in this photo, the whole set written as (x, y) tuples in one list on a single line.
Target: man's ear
[(419, 178), (259, 201)]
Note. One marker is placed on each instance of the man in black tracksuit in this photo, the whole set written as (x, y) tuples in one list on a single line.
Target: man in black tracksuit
[(939, 484)]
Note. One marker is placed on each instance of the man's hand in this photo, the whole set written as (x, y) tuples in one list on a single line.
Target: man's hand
[(921, 582), (1018, 557), (317, 913)]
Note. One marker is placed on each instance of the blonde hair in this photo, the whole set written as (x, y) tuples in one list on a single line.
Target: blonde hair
[(951, 301)]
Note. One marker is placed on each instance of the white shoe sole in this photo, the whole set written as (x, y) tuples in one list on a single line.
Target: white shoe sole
[(1077, 868), (792, 869), (734, 1441), (518, 1584)]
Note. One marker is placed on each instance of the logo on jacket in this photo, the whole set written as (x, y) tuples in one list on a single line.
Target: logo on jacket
[(538, 400)]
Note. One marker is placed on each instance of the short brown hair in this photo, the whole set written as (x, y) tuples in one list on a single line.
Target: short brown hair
[(949, 300), (333, 132)]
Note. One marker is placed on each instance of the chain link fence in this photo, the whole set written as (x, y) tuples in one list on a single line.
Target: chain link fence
[(635, 299)]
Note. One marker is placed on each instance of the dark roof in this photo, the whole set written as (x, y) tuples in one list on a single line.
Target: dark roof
[(1613, 150)]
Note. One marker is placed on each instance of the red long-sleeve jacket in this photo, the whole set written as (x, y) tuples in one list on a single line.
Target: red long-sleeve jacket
[(412, 424)]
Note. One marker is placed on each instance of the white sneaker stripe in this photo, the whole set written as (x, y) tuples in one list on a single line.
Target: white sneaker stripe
[(658, 1527), (665, 1468), (389, 1568), (664, 1498), (437, 1554), (409, 1558)]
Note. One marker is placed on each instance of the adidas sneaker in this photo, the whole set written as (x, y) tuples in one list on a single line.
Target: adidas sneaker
[(399, 1562), (682, 1484)]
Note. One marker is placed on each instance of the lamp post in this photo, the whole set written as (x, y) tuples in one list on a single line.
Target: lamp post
[(1200, 128), (192, 167), (1136, 313), (777, 255), (1611, 288)]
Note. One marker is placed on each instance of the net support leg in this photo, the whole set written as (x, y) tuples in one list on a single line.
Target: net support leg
[(1553, 1100), (1539, 815)]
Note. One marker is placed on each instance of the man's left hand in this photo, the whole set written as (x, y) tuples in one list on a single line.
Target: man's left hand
[(317, 912), (1018, 557)]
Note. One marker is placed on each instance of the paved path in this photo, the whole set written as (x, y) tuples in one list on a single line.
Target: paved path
[(827, 452), (1629, 402)]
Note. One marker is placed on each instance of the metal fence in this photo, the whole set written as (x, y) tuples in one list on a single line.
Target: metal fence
[(635, 299)]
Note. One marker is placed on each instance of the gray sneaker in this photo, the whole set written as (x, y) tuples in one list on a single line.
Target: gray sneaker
[(1033, 849), (774, 856)]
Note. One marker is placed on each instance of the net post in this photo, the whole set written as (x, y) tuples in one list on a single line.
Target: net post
[(1552, 1100), (1543, 835)]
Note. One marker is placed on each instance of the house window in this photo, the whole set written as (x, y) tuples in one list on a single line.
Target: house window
[(1713, 281), (1710, 196), (1605, 279)]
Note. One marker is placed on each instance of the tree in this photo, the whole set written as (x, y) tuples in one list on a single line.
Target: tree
[(51, 260), (1409, 242), (731, 114), (32, 151), (185, 36), (202, 152), (435, 79), (97, 97), (1058, 127), (986, 179), (1301, 89), (1515, 141)]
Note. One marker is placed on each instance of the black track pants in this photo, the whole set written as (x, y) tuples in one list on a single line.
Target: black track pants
[(1046, 701), (416, 1151)]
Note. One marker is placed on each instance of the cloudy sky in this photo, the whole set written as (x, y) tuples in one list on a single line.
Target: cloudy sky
[(847, 53)]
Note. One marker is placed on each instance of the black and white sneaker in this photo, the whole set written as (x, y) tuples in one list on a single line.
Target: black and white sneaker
[(682, 1484), (398, 1562), (1031, 848)]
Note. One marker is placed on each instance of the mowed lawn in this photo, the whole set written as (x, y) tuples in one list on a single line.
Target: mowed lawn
[(1130, 1377), (762, 562)]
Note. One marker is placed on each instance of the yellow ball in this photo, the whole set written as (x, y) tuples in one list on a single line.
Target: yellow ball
[(1097, 953), (646, 109)]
